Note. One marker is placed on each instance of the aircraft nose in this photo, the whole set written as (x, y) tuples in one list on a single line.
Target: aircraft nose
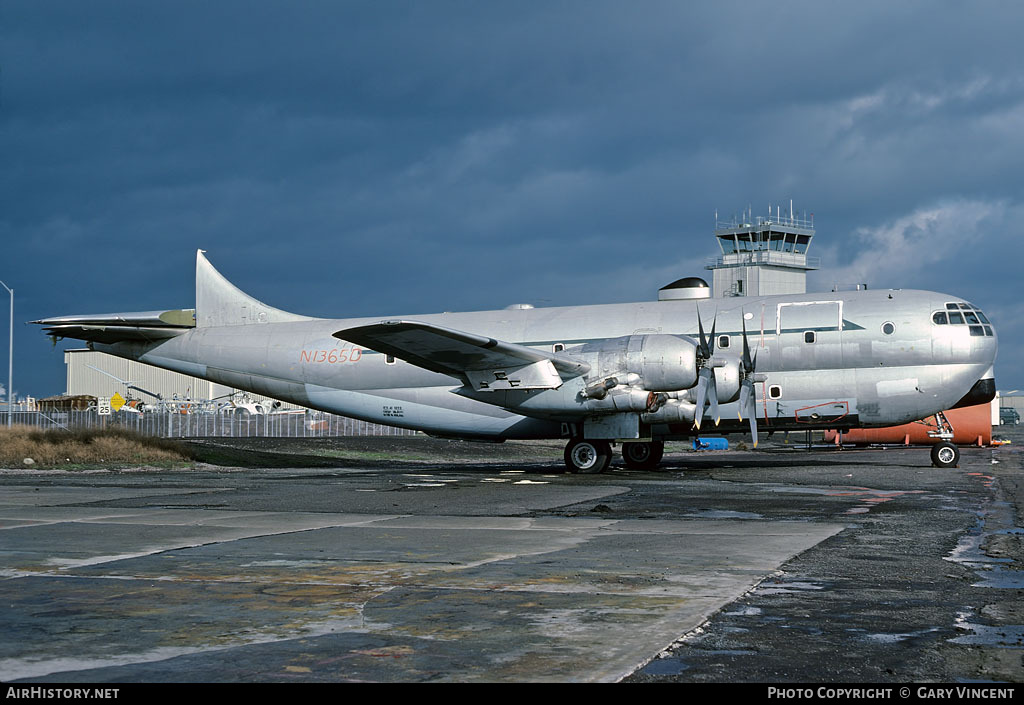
[(962, 333)]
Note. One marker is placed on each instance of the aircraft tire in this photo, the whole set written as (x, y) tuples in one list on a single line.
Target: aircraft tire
[(643, 456), (587, 456), (945, 455)]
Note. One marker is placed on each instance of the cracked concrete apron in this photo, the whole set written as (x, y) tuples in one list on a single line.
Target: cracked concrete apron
[(154, 594)]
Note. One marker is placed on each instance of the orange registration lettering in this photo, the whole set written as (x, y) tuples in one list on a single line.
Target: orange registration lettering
[(335, 356)]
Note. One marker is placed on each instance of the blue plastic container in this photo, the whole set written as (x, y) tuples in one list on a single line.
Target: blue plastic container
[(710, 444)]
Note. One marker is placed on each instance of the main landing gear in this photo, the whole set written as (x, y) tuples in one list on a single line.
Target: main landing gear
[(594, 456), (643, 455), (588, 456)]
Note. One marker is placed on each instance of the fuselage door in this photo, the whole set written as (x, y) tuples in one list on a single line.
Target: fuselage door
[(809, 333)]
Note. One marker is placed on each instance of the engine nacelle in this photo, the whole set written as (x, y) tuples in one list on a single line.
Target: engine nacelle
[(674, 411), (663, 363)]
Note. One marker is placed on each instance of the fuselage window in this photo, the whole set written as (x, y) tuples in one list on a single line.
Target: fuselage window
[(389, 359), (971, 318), (558, 347), (940, 318), (977, 330), (809, 336), (775, 392), (888, 328), (723, 341), (956, 317)]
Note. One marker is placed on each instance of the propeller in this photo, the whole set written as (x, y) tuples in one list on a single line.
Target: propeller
[(747, 366), (706, 389)]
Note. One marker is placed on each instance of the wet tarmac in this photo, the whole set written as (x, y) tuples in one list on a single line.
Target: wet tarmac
[(778, 565)]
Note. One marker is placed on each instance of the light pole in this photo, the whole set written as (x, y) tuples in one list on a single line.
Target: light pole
[(10, 358)]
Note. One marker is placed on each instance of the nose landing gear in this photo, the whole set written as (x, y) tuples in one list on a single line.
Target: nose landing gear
[(945, 455)]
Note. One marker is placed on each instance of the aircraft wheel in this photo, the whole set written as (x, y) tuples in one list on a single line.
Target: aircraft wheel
[(945, 455), (588, 456), (643, 456)]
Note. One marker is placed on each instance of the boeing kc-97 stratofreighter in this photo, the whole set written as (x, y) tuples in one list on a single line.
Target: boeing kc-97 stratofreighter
[(631, 374)]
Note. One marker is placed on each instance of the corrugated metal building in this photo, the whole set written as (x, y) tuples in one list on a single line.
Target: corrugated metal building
[(100, 375), (1014, 399)]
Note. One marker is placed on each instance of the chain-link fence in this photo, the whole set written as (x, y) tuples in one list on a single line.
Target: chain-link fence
[(239, 424)]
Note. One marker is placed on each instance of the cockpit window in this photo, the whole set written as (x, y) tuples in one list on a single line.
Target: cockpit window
[(960, 313)]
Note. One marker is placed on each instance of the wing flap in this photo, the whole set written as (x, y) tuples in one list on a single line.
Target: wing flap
[(483, 363)]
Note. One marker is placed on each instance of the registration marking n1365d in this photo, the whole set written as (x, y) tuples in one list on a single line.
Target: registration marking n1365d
[(335, 356)]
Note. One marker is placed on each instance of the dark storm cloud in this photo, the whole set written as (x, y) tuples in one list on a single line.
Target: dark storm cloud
[(377, 158)]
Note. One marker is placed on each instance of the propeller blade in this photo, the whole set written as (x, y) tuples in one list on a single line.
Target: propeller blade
[(702, 397), (748, 364), (713, 397), (746, 360), (745, 406), (703, 351)]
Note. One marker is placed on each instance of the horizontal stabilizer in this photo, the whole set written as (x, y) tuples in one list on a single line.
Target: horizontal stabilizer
[(146, 326), (484, 363)]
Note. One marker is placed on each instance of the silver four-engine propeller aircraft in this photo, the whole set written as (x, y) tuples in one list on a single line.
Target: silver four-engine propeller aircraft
[(636, 374)]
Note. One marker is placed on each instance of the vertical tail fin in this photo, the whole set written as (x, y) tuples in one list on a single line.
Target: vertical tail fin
[(221, 303)]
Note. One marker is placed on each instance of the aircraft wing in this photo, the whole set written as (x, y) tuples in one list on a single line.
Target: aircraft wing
[(484, 363), (148, 326)]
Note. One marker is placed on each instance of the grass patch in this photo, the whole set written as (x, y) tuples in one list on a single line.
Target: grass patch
[(112, 446)]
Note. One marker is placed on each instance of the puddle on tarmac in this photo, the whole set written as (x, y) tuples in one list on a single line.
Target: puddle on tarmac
[(993, 573), (782, 587), (1005, 635), (969, 552), (721, 514), (671, 666), (866, 497), (896, 638)]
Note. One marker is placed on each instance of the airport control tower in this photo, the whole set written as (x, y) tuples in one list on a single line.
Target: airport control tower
[(763, 255)]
